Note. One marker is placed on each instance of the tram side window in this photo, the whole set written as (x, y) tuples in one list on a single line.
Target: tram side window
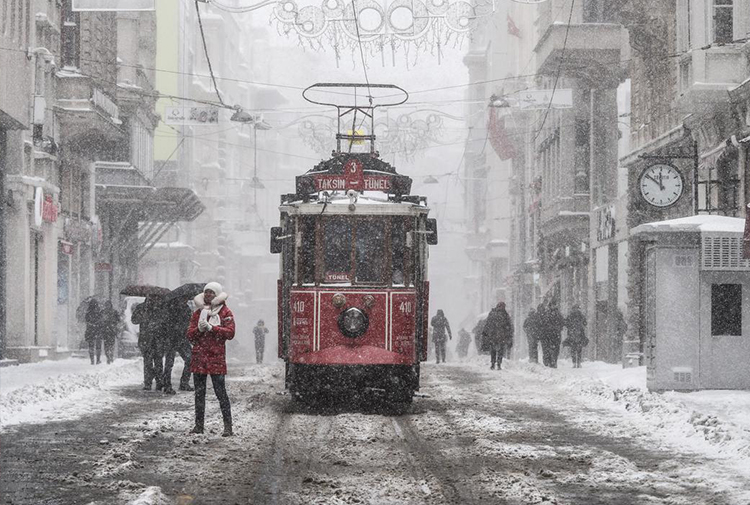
[(370, 250), (337, 249), (398, 250), (307, 250)]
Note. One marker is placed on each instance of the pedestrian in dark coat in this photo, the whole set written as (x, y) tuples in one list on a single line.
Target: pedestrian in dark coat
[(259, 332), (552, 323), (440, 328), (576, 340), (178, 316), (110, 328), (93, 334), (497, 336), (531, 328), (477, 331), (211, 325), (149, 315), (464, 340)]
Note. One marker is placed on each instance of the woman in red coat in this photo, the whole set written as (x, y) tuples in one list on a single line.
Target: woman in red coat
[(211, 325)]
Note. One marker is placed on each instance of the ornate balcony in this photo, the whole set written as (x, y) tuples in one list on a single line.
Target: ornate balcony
[(592, 52)]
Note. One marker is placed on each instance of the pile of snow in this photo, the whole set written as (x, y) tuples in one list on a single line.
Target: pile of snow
[(711, 422), (58, 390)]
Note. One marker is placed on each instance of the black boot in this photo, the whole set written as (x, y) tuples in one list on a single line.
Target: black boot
[(169, 391), (197, 429), (227, 429), (186, 387)]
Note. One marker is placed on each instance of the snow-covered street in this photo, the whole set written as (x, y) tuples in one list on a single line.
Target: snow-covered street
[(521, 435)]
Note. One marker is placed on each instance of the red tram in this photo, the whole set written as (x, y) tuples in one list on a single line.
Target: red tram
[(353, 290)]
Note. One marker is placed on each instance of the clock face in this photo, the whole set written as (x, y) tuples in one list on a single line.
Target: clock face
[(661, 185)]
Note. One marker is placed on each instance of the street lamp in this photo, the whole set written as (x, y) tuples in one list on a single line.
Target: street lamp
[(257, 122)]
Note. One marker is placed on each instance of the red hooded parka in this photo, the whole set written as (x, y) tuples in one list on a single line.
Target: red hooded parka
[(209, 351)]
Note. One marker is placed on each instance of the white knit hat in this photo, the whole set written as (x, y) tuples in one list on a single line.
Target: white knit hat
[(215, 287)]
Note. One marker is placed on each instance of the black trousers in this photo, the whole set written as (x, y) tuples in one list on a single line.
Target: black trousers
[(185, 353), (259, 348), (153, 367), (576, 353), (440, 350), (95, 349), (533, 349), (109, 349), (550, 352), (200, 380), (496, 356)]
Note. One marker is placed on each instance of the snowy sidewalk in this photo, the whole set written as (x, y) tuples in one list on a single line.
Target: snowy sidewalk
[(715, 423), (57, 390)]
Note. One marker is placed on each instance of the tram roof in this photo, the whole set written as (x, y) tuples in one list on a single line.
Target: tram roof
[(365, 205)]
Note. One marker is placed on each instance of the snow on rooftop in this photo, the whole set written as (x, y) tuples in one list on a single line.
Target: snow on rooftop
[(703, 224)]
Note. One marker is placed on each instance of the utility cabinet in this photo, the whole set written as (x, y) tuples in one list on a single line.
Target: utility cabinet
[(695, 304)]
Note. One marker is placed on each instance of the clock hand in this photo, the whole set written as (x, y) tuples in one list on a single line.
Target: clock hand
[(657, 182), (661, 185)]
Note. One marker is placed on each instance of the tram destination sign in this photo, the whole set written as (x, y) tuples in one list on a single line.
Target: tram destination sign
[(341, 183), (353, 172)]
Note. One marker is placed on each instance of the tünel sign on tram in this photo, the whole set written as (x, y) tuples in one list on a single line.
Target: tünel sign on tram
[(341, 183)]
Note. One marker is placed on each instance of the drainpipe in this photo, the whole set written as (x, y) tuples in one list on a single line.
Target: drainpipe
[(3, 213)]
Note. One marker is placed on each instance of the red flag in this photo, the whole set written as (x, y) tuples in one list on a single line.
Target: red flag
[(512, 28), (499, 138)]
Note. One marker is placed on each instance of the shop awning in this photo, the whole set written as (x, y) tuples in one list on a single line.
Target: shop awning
[(125, 194)]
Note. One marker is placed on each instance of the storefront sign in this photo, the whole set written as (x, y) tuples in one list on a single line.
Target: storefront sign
[(77, 231), (102, 267), (192, 116), (66, 248), (38, 198), (49, 210)]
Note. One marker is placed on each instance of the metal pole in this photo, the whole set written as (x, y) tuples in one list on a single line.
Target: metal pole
[(3, 221), (695, 177), (255, 165)]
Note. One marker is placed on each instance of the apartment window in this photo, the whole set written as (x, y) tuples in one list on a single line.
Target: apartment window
[(70, 36), (723, 21), (726, 309)]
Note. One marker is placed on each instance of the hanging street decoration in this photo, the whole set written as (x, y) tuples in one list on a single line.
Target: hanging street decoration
[(405, 136), (384, 27)]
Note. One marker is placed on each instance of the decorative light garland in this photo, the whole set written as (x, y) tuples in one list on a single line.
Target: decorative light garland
[(385, 26)]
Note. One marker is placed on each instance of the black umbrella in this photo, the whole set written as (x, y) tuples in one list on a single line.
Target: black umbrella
[(190, 289), (144, 290)]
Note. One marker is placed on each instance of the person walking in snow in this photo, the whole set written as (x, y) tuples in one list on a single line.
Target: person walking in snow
[(497, 335), (177, 319), (440, 328), (464, 340), (531, 329), (149, 316), (93, 334), (477, 332), (110, 328), (211, 325), (260, 331), (576, 340), (551, 323)]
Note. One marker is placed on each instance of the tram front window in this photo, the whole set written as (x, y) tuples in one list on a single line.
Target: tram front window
[(370, 249), (307, 250), (337, 250)]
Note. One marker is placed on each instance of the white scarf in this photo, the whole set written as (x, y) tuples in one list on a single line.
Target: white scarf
[(211, 315)]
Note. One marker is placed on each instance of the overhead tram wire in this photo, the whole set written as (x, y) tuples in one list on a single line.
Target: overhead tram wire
[(205, 50), (559, 71)]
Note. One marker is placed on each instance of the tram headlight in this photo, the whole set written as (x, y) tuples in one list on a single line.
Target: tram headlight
[(353, 322), (338, 300)]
